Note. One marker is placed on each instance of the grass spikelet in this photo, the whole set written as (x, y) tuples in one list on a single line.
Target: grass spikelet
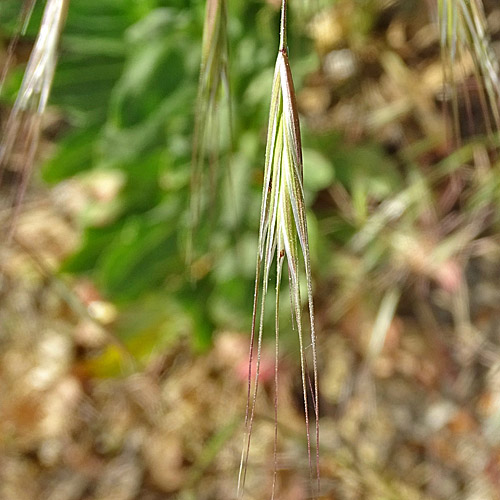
[(282, 233), (213, 83), (466, 51), (22, 131)]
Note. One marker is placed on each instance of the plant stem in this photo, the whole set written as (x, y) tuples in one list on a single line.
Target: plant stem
[(283, 44)]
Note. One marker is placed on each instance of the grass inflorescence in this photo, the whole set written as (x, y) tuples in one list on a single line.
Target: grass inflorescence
[(213, 84), (282, 234)]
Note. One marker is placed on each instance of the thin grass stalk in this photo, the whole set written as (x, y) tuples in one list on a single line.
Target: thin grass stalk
[(24, 124), (282, 233), (213, 83)]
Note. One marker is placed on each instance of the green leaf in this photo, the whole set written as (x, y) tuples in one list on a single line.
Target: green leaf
[(138, 259), (74, 155)]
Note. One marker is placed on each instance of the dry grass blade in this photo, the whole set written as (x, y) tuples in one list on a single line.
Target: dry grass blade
[(213, 83), (466, 51), (22, 131), (283, 232)]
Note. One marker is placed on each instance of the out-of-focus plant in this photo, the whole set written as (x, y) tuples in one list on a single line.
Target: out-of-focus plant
[(23, 126), (214, 80), (466, 51)]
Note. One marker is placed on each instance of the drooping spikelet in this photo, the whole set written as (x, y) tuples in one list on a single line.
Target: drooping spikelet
[(283, 233), (213, 84)]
